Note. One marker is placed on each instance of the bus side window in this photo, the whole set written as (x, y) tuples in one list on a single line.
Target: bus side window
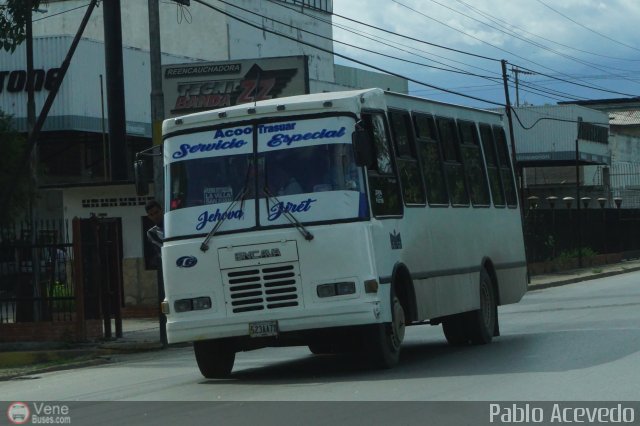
[(383, 184), (505, 166), (491, 158), (429, 153), (473, 164), (407, 161), (454, 170)]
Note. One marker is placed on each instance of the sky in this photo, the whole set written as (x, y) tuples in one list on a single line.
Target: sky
[(593, 45)]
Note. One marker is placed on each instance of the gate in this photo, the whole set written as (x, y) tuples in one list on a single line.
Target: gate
[(54, 289), (98, 246)]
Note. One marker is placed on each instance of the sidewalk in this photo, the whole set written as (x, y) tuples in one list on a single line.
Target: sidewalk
[(24, 358), (539, 282), (141, 335)]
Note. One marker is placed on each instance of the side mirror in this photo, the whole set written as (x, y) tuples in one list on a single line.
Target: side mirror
[(141, 177), (362, 148)]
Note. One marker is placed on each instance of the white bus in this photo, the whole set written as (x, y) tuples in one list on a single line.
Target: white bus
[(335, 220)]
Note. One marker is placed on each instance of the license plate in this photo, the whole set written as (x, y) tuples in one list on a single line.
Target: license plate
[(263, 329)]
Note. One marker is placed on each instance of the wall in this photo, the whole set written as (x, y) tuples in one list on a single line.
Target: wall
[(246, 42), (195, 27), (548, 133), (356, 77), (200, 32), (64, 331), (78, 103), (119, 201)]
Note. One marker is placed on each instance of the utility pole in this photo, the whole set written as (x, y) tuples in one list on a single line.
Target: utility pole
[(115, 89), (510, 120), (517, 168), (157, 97), (578, 200), (31, 123), (516, 71), (157, 115)]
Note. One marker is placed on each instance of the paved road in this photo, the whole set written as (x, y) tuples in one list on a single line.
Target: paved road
[(579, 342), (576, 342)]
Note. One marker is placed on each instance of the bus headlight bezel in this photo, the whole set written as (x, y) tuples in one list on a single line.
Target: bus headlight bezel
[(342, 288)]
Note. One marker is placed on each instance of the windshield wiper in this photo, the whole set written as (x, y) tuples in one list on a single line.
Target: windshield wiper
[(242, 195), (290, 217)]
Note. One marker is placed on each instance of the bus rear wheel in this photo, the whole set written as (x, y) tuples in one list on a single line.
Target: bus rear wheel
[(215, 358), (476, 327), (455, 329), (483, 322)]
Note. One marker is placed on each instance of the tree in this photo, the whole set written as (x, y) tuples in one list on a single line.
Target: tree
[(13, 21), (12, 148)]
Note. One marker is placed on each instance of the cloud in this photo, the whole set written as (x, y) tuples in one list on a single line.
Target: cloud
[(546, 40)]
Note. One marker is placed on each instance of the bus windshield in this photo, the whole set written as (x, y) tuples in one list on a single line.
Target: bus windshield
[(310, 169), (305, 167)]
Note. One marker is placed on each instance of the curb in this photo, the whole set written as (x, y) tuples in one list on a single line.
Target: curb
[(23, 363), (534, 287)]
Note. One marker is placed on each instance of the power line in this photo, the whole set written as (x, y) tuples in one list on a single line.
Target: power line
[(540, 90), (587, 28), (552, 119), (61, 13), (562, 94), (504, 50), (578, 84), (377, 39), (418, 40), (458, 71), (537, 44), (498, 21), (422, 83)]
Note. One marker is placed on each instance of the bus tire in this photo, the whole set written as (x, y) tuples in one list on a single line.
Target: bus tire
[(455, 329), (215, 358), (386, 339), (482, 322), (320, 348)]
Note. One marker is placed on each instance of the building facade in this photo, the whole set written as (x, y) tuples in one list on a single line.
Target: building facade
[(623, 175)]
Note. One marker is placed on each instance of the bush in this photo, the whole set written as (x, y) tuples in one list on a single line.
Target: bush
[(60, 290), (575, 253)]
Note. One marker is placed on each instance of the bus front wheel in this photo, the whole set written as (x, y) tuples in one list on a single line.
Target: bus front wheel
[(386, 339), (215, 358)]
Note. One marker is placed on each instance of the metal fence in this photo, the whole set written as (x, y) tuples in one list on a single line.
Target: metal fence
[(36, 272), (553, 233)]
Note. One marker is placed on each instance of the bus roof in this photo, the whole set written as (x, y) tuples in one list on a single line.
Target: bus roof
[(350, 100)]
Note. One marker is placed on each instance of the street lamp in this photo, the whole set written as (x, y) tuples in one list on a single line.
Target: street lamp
[(552, 199), (602, 201), (568, 201), (533, 202), (585, 202), (618, 201)]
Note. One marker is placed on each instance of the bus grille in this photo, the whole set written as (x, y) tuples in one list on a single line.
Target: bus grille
[(261, 288)]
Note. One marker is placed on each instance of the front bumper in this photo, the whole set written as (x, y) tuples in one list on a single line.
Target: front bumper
[(186, 329)]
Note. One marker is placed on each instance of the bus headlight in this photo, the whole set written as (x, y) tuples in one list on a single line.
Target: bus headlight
[(336, 289), (200, 303), (196, 304)]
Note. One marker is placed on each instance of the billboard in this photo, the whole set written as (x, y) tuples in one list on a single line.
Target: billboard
[(201, 86)]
